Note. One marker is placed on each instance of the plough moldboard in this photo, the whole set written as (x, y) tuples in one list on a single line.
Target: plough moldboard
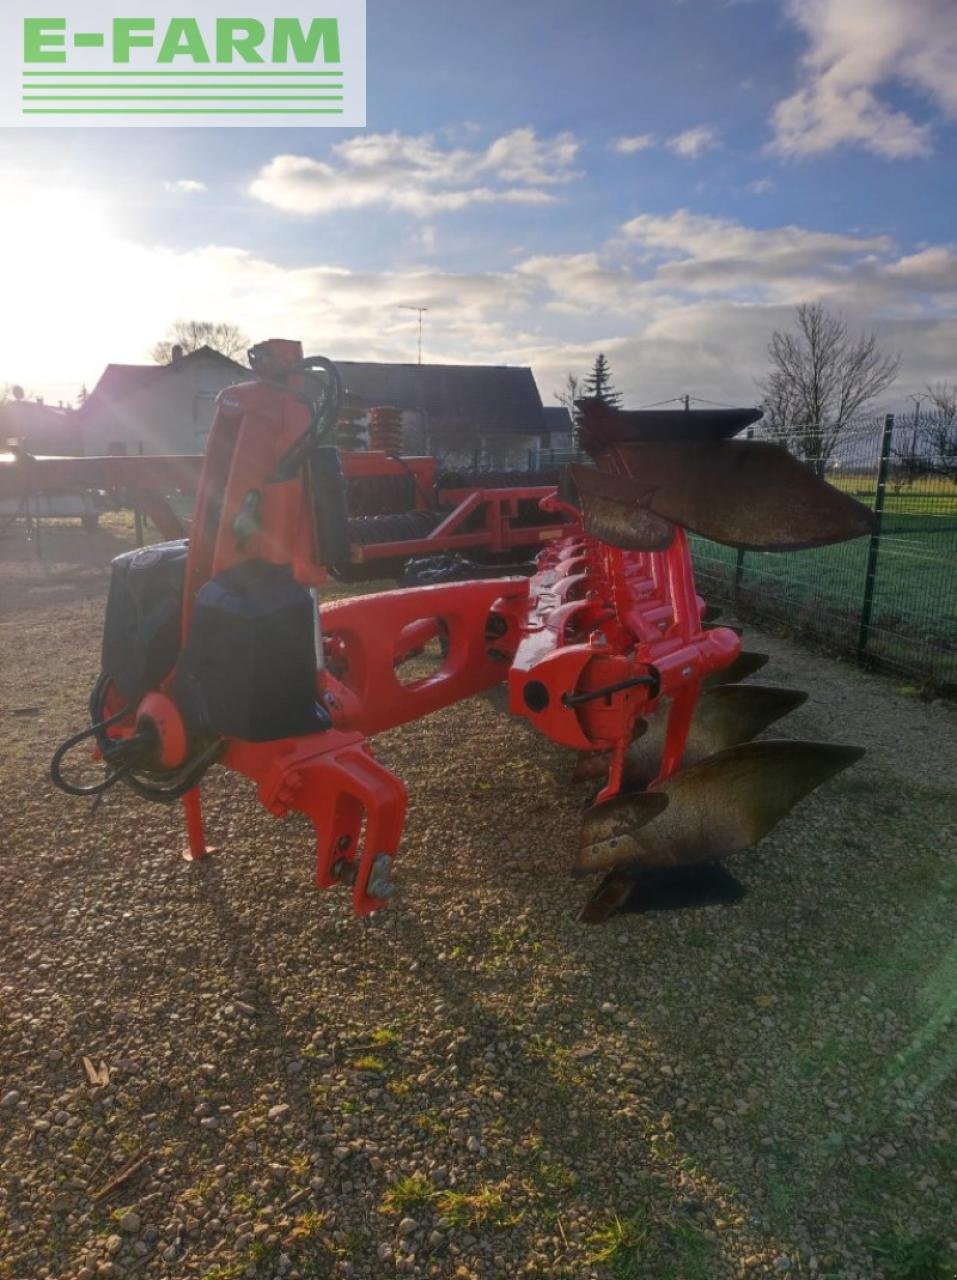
[(218, 651)]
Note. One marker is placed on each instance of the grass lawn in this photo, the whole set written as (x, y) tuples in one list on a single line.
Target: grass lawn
[(914, 617)]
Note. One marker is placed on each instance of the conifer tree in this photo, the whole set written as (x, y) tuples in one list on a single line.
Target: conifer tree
[(598, 384)]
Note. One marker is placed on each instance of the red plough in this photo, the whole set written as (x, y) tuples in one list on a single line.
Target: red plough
[(219, 652)]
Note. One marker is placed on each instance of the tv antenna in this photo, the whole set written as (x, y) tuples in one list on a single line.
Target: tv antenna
[(406, 307)]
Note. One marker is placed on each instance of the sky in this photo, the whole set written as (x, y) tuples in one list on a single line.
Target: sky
[(661, 180)]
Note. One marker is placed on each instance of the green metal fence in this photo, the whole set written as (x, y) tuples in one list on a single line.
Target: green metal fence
[(889, 600)]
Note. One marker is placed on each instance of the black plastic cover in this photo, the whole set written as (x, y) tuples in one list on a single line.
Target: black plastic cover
[(248, 669), (330, 513), (143, 614)]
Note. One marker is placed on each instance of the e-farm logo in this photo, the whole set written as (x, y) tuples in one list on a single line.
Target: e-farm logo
[(106, 63)]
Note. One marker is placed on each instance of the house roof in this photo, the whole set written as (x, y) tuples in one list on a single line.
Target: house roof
[(118, 381), (558, 419), (27, 414), (493, 398), (45, 428)]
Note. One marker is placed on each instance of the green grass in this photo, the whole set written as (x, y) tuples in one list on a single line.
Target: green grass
[(408, 1194), (903, 1256), (486, 1207), (385, 1038), (555, 1176), (641, 1247), (914, 618), (369, 1062)]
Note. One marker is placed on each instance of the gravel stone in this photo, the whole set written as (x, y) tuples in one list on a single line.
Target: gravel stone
[(470, 1084)]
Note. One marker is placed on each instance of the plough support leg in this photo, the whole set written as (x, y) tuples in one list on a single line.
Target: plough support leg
[(196, 848)]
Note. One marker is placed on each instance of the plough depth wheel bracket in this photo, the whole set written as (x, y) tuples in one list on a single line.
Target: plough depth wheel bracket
[(219, 650)]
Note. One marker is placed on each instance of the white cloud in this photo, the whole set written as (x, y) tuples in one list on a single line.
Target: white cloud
[(521, 156), (632, 143), (761, 186), (855, 49), (417, 175), (677, 301), (693, 142), (581, 282), (708, 254), (189, 186), (685, 302)]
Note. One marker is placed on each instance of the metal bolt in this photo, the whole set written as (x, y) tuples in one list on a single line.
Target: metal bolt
[(380, 877)]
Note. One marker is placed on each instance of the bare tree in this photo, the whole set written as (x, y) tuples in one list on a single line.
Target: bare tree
[(943, 396), (932, 448), (569, 392), (190, 335), (820, 378), (566, 395)]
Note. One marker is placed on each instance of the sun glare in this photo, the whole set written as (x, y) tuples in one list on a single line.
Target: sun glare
[(55, 263)]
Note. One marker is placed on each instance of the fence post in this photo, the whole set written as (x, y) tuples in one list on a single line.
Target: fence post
[(739, 554), (138, 514), (870, 576)]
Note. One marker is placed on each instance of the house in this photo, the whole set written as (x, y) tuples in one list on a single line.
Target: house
[(466, 415), (559, 435), (157, 408), (38, 428)]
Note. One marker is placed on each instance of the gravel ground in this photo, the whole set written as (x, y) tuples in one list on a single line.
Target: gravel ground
[(468, 1084)]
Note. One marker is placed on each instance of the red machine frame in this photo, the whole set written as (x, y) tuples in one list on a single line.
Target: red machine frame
[(147, 481), (599, 639)]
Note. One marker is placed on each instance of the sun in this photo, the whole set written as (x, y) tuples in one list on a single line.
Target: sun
[(54, 257)]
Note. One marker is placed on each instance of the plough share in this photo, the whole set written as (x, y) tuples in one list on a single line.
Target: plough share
[(218, 651)]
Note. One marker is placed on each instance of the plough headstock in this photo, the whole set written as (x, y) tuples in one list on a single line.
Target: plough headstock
[(219, 650)]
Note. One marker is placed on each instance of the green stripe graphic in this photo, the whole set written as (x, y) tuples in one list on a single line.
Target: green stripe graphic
[(209, 90), (183, 73), (181, 97), (182, 111), (248, 87)]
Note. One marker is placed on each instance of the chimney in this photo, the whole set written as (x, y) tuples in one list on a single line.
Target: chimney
[(176, 354)]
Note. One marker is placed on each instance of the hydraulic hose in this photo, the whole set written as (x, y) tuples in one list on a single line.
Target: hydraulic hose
[(175, 783), (96, 730)]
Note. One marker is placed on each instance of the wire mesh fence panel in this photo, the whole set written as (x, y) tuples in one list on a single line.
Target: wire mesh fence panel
[(890, 599), (556, 457), (914, 617)]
